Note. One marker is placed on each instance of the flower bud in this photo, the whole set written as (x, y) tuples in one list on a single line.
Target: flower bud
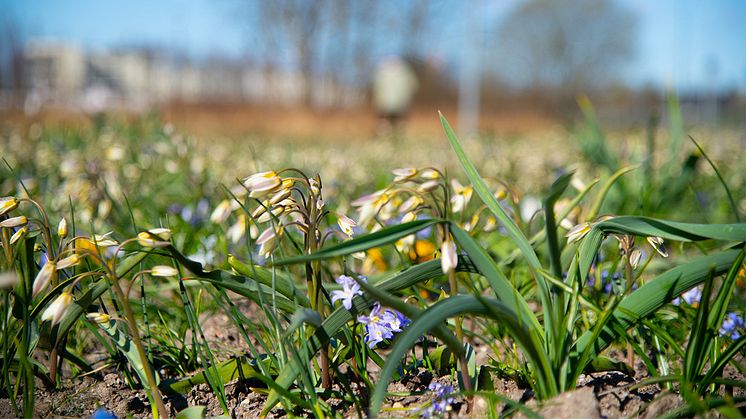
[(7, 204), (18, 235), (164, 271), (448, 256), (155, 237), (578, 232), (47, 274), (69, 261), (98, 317), (57, 309), (634, 258), (62, 228), (261, 184), (11, 222)]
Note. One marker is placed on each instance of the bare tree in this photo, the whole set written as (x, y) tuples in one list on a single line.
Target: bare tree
[(566, 46)]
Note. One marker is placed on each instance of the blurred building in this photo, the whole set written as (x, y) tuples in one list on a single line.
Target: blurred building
[(62, 75)]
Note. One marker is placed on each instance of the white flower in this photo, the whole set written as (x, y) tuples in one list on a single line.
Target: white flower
[(410, 204), (69, 261), (634, 257), (448, 256), (164, 271), (62, 228), (57, 309), (7, 204), (18, 235), (461, 196), (428, 186), (404, 174), (46, 274), (346, 224), (657, 244), (578, 232), (268, 241), (222, 211), (261, 184), (155, 237), (11, 222)]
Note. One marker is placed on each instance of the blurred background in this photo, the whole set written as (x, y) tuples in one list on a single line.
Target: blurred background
[(351, 69)]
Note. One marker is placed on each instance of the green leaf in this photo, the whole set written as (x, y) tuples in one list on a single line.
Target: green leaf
[(673, 230), (368, 241), (489, 199), (499, 283), (193, 412), (339, 317), (283, 283), (125, 345), (81, 303), (229, 370), (654, 295), (457, 306), (242, 285)]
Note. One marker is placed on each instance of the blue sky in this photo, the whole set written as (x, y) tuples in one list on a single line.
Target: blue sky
[(683, 44)]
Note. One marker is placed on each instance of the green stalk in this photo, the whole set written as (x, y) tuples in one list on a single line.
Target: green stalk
[(159, 408)]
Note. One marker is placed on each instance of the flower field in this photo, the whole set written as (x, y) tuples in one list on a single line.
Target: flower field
[(146, 273)]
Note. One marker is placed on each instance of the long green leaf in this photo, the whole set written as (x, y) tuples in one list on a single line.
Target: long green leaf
[(124, 344), (501, 286), (655, 294), (282, 283), (673, 230), (81, 303), (457, 306), (368, 241), (488, 198), (339, 317)]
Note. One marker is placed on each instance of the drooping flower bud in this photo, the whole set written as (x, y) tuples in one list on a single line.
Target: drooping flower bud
[(448, 256), (69, 261), (98, 317), (18, 235), (164, 271), (261, 184), (155, 237), (57, 309), (11, 222), (46, 274), (8, 204)]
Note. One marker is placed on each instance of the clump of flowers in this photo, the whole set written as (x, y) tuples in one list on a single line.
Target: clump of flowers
[(442, 401), (733, 326), (382, 325)]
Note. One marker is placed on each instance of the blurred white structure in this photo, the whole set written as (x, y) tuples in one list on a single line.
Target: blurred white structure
[(60, 74)]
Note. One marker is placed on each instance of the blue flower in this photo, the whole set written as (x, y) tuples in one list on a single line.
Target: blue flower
[(442, 400), (380, 326), (349, 290), (691, 297), (732, 326)]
